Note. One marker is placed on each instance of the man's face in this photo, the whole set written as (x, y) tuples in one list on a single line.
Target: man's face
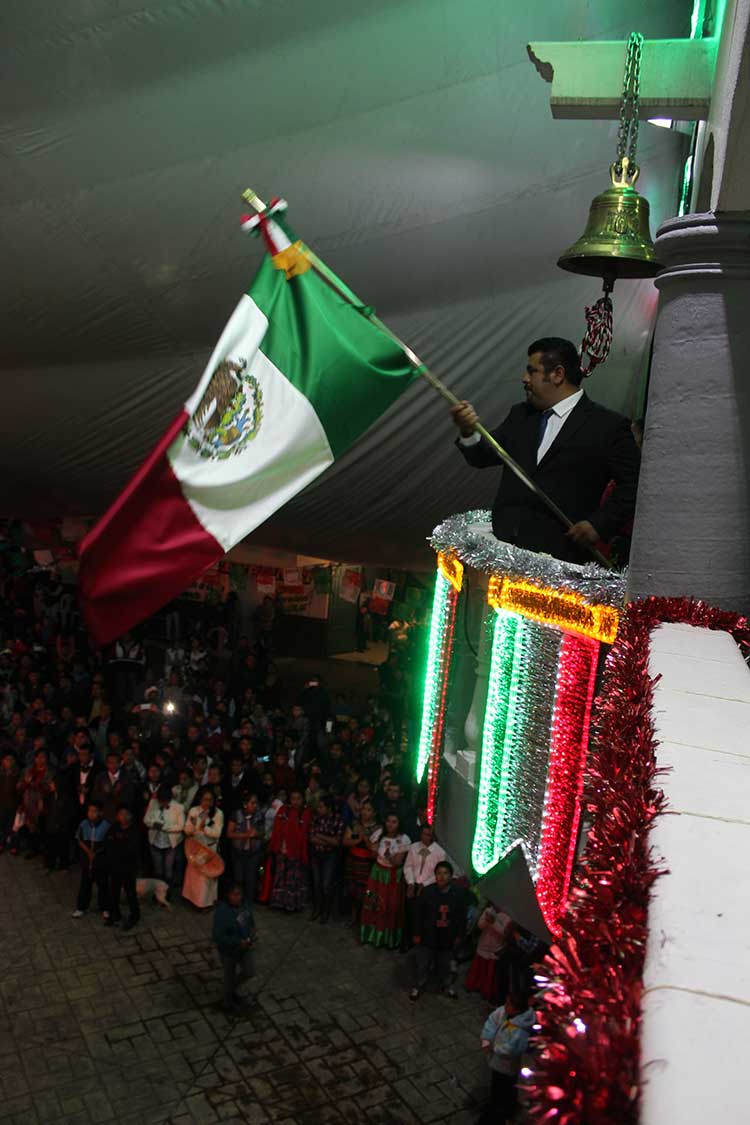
[(541, 386), (393, 793), (84, 755), (236, 768), (154, 773), (123, 818), (234, 898), (442, 877), (113, 763), (426, 836), (93, 813)]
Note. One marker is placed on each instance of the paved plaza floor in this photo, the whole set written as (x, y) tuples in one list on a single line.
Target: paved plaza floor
[(104, 1026)]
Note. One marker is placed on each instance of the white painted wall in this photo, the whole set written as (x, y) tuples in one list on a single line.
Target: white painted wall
[(696, 1025)]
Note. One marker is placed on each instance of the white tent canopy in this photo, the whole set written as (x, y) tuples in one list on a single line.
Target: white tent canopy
[(415, 145)]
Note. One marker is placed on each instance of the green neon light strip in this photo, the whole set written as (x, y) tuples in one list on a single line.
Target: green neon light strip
[(441, 607), (526, 751), (484, 854)]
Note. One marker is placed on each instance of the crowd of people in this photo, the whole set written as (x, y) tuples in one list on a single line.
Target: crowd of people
[(173, 766)]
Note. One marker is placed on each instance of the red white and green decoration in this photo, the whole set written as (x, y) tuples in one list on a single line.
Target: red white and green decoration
[(550, 749), (548, 627)]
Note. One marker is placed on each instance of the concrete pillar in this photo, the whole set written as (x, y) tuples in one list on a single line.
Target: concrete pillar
[(692, 525)]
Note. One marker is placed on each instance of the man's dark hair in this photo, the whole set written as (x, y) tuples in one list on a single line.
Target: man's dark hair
[(557, 352), (448, 866)]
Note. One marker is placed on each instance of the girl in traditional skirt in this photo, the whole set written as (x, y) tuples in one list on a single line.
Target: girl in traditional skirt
[(359, 856), (289, 848), (383, 906), (492, 939)]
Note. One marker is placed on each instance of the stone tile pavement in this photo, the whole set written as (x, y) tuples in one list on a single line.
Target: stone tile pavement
[(100, 1026)]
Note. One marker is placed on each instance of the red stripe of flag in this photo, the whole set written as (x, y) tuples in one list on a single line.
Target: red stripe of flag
[(147, 548)]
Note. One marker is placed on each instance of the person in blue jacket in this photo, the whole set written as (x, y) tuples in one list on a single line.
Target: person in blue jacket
[(234, 936), (505, 1037)]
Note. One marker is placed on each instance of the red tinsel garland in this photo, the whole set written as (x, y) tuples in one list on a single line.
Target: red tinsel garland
[(586, 1067)]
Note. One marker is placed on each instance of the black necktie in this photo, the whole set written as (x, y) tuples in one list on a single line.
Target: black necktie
[(546, 415)]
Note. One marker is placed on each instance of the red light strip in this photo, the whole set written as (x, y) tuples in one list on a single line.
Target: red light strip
[(574, 697)]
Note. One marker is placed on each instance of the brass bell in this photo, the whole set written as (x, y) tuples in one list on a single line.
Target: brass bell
[(617, 239)]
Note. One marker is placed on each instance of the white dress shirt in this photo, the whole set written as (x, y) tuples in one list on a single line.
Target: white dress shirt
[(557, 419), (420, 863)]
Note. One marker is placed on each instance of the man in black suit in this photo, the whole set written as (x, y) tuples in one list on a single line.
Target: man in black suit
[(570, 446)]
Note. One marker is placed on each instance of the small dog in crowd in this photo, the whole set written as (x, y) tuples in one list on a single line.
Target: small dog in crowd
[(156, 887)]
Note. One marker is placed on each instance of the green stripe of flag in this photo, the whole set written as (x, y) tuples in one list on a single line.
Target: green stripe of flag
[(349, 369)]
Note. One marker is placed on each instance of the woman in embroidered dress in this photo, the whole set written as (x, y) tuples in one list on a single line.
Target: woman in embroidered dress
[(359, 856), (288, 845), (383, 906), (204, 824)]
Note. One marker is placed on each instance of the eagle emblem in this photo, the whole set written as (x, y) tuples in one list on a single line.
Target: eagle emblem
[(229, 414)]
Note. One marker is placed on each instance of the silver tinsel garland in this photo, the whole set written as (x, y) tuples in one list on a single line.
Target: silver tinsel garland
[(469, 536)]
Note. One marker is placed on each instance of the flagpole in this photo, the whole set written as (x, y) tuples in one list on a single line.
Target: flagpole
[(330, 278)]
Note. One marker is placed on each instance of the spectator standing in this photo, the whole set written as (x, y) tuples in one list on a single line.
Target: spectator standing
[(113, 788), (185, 790), (505, 1037), (492, 925), (326, 835), (234, 937), (165, 821), (246, 833), (359, 855), (204, 825), (34, 789), (8, 799), (440, 925), (382, 916), (419, 872), (62, 810), (290, 851), (87, 774), (122, 847), (92, 833)]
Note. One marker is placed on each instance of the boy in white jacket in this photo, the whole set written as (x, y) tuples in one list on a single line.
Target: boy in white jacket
[(165, 820), (505, 1037)]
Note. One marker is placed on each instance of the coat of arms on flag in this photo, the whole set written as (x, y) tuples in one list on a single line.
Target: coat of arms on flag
[(229, 414), (300, 371)]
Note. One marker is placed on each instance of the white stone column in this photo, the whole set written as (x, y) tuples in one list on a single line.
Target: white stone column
[(692, 526)]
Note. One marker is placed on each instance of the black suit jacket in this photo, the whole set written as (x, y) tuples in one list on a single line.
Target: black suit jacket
[(594, 447)]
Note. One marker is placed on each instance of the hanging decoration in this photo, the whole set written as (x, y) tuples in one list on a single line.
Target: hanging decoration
[(469, 537), (447, 589), (585, 1069), (617, 239)]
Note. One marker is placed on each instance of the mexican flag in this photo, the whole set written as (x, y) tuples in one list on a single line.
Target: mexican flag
[(298, 374)]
